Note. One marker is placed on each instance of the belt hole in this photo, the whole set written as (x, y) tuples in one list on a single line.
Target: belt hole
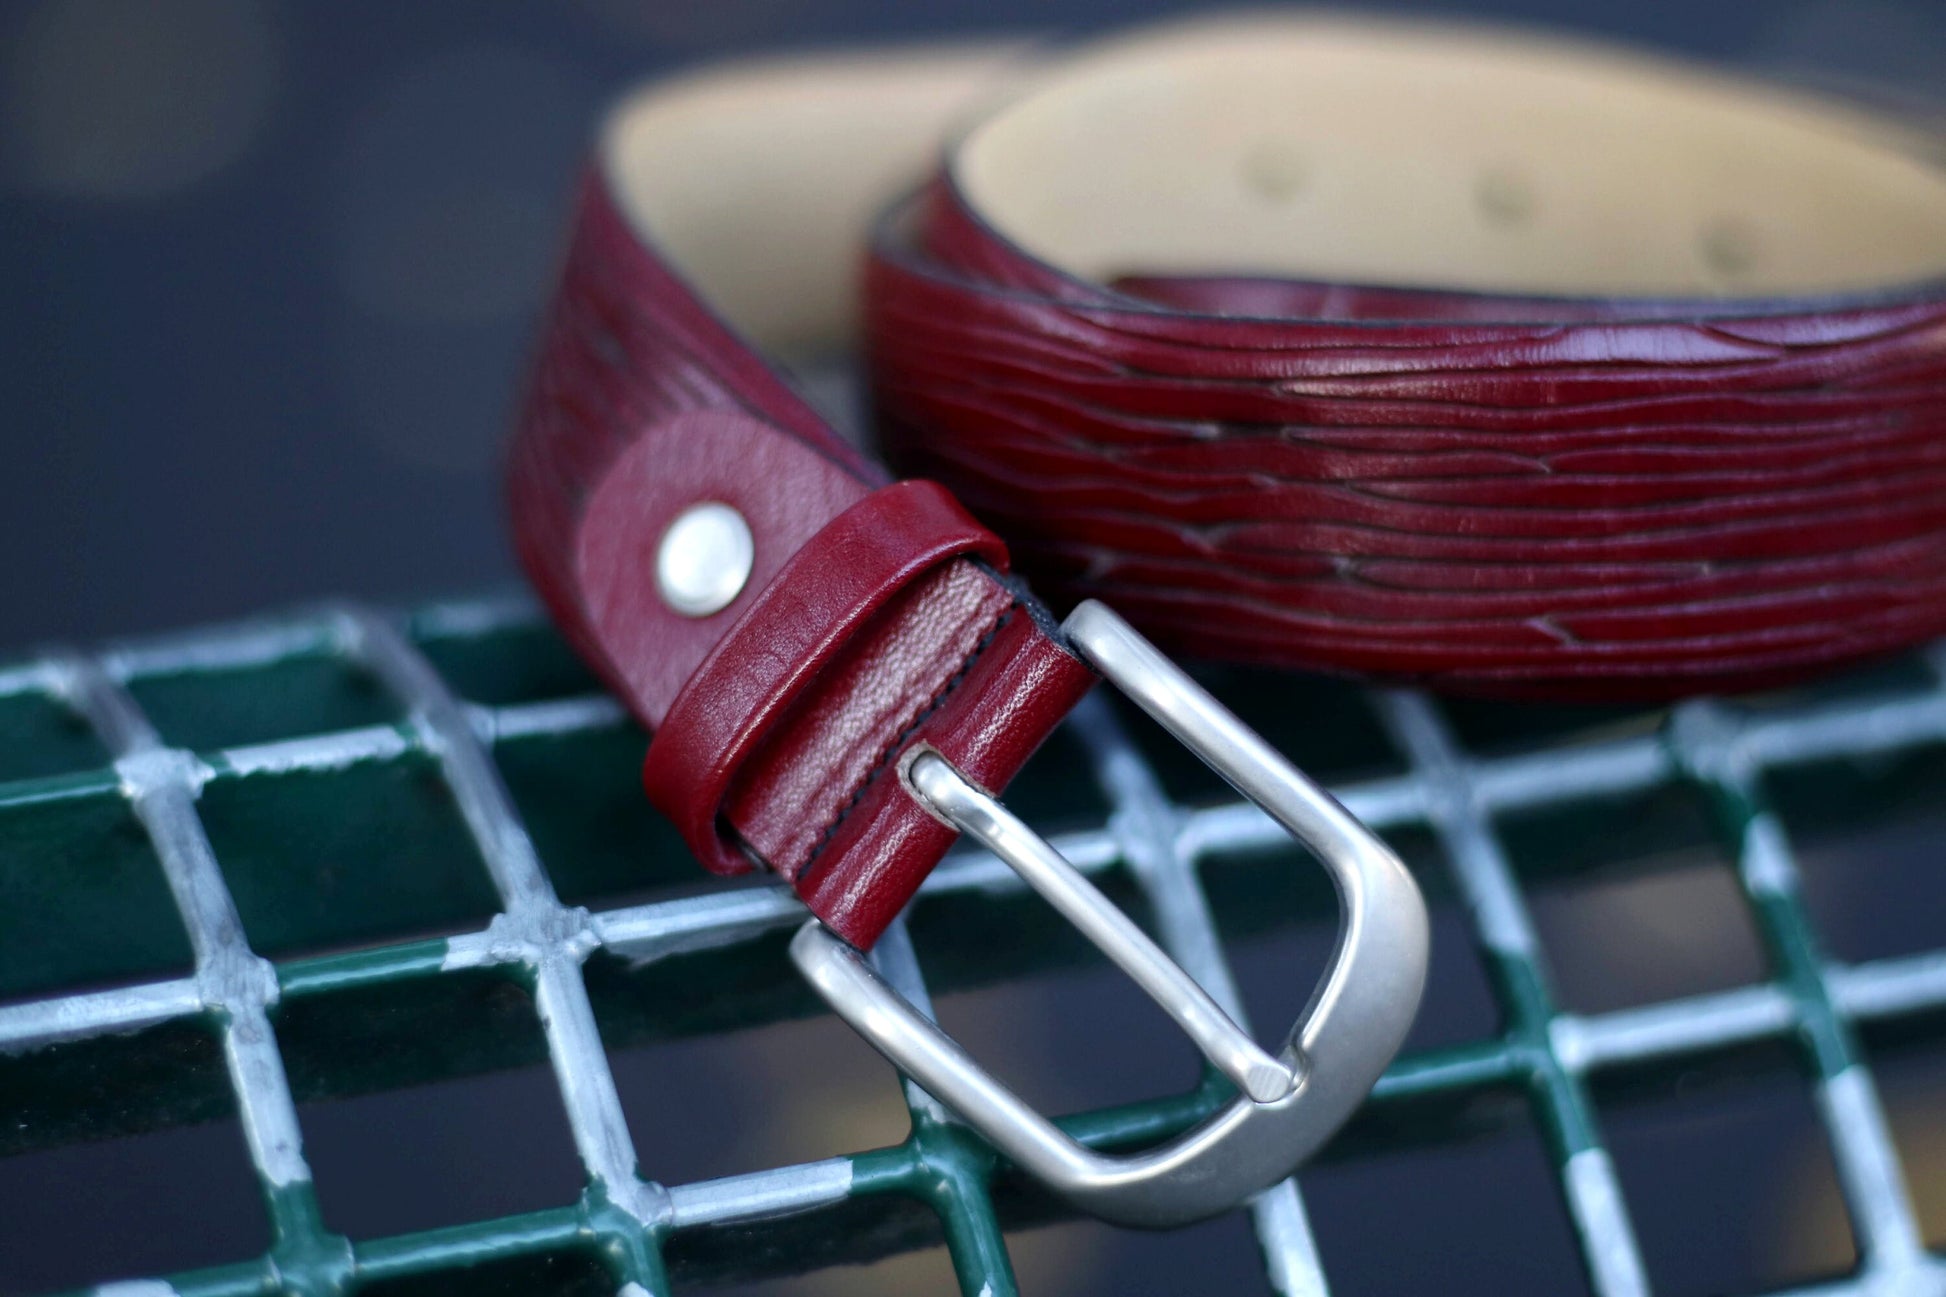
[(1504, 196), (1729, 247), (1274, 170)]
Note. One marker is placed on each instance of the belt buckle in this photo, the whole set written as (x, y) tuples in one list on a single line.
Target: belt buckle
[(1288, 1103)]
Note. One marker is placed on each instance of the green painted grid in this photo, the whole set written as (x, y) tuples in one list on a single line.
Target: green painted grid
[(629, 1226)]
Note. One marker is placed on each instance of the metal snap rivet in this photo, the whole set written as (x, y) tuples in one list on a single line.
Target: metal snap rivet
[(704, 559)]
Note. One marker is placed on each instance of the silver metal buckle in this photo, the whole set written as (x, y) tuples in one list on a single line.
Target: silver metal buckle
[(1291, 1102)]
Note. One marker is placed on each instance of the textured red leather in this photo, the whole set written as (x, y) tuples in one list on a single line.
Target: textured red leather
[(642, 404), (1530, 496), (807, 617)]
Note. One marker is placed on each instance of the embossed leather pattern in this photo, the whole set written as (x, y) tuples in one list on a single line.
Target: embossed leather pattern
[(1570, 499)]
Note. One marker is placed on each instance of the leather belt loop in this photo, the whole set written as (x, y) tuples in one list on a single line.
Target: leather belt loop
[(797, 627)]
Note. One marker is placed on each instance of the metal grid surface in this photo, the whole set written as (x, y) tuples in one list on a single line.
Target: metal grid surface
[(455, 720)]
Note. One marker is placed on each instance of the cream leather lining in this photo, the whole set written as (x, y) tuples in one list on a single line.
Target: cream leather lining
[(1308, 146), (761, 179)]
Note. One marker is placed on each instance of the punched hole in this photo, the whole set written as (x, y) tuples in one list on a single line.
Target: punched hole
[(1275, 170), (1505, 197), (1729, 247)]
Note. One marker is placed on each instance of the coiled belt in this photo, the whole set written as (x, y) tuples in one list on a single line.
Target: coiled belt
[(1495, 362)]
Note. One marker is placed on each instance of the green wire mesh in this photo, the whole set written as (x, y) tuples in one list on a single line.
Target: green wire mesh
[(315, 787)]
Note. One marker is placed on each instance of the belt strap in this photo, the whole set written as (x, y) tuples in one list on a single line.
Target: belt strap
[(779, 716), (807, 617), (1489, 361)]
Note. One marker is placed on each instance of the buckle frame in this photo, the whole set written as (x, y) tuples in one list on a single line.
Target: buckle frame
[(1289, 1103)]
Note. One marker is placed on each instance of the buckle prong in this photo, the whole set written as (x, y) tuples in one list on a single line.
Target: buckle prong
[(967, 808), (1290, 1102)]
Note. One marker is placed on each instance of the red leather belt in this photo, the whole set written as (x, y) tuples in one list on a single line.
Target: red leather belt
[(1492, 362)]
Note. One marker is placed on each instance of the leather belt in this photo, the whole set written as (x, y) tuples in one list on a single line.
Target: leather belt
[(1489, 361)]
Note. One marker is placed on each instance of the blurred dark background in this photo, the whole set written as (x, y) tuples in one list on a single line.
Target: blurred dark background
[(268, 277), (269, 270)]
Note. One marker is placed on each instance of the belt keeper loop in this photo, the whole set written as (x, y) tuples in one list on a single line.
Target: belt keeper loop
[(798, 625)]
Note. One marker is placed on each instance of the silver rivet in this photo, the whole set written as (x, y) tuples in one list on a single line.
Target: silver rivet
[(704, 559)]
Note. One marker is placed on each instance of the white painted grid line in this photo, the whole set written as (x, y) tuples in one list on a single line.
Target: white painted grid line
[(317, 755), (896, 961), (472, 618), (1846, 731), (36, 677), (36, 1024), (232, 648), (162, 785), (1601, 1218), (760, 1195), (1868, 1168), (1290, 1250), (1159, 842), (659, 929), (1150, 836), (645, 933), (1547, 778), (1707, 739), (135, 1288), (1889, 988), (1454, 811), (533, 926), (1486, 880), (559, 717), (1674, 1027)]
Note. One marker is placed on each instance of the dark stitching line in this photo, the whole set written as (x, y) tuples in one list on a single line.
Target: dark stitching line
[(884, 761)]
